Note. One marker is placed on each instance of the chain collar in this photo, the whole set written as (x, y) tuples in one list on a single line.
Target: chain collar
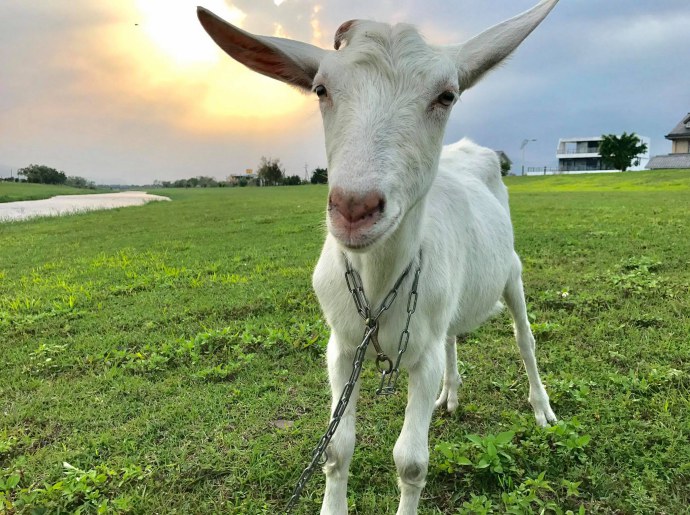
[(389, 371)]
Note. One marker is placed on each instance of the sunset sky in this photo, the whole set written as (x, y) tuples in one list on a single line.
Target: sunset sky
[(130, 91)]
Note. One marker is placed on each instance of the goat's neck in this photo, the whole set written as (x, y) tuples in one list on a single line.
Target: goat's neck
[(382, 265)]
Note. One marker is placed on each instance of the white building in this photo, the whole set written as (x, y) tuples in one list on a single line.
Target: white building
[(581, 155)]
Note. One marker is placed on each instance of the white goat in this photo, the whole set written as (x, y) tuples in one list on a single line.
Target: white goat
[(385, 98)]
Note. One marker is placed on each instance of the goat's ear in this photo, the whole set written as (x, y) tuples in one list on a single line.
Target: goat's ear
[(286, 60), (481, 53)]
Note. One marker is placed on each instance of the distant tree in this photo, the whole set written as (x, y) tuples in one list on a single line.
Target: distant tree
[(270, 171), (319, 176), (42, 174), (621, 151), (292, 180), (504, 161), (79, 182), (207, 182), (200, 181)]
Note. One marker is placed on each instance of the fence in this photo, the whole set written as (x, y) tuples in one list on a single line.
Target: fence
[(541, 170)]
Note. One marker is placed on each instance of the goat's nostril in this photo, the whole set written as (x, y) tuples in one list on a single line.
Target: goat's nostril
[(354, 208)]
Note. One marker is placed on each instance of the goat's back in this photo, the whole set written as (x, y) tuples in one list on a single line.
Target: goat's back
[(467, 210), (467, 158)]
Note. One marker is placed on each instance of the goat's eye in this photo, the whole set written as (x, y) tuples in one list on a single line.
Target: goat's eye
[(320, 91), (446, 98)]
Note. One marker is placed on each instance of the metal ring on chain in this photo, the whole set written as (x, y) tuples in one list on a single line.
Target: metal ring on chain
[(384, 359)]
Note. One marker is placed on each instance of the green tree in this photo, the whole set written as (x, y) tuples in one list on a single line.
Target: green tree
[(292, 180), (207, 182), (79, 182), (319, 176), (621, 151), (42, 174), (270, 171)]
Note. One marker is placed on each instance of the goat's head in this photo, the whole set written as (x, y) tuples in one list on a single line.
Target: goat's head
[(385, 97)]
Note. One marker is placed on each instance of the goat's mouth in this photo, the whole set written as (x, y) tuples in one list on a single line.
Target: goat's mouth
[(361, 236), (358, 220)]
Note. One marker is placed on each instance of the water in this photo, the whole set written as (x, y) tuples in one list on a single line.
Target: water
[(69, 204)]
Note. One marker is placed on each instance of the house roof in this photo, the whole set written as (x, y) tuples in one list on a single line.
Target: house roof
[(680, 131), (669, 161)]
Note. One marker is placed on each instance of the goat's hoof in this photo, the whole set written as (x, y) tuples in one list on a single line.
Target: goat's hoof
[(450, 402), (539, 400), (545, 416)]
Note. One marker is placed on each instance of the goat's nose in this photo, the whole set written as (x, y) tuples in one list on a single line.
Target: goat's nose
[(355, 208)]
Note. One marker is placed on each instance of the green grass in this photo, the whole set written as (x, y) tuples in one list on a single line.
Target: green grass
[(150, 356), (657, 180), (14, 191)]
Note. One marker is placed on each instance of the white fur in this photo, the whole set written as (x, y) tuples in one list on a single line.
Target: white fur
[(463, 228), (384, 126)]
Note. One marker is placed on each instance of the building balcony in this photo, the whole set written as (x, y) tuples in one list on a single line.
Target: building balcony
[(576, 154)]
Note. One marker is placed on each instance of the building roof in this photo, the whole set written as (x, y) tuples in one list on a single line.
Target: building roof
[(680, 131), (669, 161), (580, 140)]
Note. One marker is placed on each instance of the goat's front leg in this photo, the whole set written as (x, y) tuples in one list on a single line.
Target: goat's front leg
[(411, 452), (343, 442)]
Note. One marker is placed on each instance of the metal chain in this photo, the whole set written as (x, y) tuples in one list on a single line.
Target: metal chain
[(354, 284), (335, 421), (356, 288), (392, 383)]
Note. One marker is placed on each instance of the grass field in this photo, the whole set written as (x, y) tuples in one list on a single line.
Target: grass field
[(169, 359), (14, 191)]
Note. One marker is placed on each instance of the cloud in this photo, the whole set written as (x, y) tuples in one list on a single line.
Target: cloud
[(135, 90), (316, 34), (97, 85)]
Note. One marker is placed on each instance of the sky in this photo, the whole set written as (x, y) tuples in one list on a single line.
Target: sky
[(133, 91)]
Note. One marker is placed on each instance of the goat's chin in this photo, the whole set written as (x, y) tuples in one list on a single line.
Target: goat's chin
[(363, 240)]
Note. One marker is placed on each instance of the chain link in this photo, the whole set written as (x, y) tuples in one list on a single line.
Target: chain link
[(356, 288), (338, 413), (391, 384)]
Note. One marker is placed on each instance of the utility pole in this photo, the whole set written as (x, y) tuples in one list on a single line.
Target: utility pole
[(522, 147)]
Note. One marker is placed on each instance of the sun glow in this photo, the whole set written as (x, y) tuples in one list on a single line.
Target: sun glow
[(174, 29), (179, 60)]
